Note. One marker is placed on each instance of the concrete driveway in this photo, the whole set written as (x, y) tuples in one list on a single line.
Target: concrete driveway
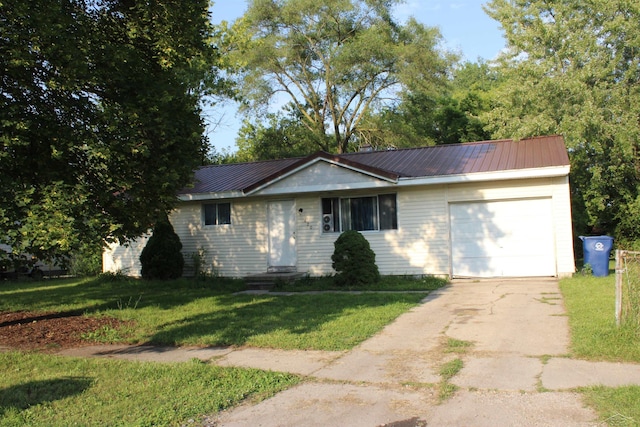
[(515, 371), (515, 328)]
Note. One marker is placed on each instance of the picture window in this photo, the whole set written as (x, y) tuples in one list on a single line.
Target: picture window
[(371, 213)]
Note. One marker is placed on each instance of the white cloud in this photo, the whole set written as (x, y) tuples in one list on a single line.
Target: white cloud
[(414, 8)]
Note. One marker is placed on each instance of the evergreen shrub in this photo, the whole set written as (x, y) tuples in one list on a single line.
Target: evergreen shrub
[(161, 257), (354, 261)]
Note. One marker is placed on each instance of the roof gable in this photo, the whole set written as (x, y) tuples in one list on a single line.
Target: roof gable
[(388, 166), (326, 168), (322, 175)]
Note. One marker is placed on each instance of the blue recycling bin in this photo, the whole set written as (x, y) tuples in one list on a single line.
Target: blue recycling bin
[(596, 253)]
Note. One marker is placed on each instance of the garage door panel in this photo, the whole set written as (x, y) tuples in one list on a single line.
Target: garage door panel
[(502, 238)]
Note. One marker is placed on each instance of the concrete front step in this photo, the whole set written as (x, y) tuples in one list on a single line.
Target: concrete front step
[(266, 281)]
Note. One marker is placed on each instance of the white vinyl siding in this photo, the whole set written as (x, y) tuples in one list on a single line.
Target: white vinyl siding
[(420, 245), (231, 250), (124, 259), (320, 177)]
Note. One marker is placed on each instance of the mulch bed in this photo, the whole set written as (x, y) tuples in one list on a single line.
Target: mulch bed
[(24, 330)]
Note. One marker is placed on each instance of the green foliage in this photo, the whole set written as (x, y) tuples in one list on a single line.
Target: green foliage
[(449, 115), (161, 257), (616, 407), (450, 369), (590, 303), (86, 261), (354, 261), (457, 346), (280, 137), (49, 390), (333, 60), (572, 68), (99, 117)]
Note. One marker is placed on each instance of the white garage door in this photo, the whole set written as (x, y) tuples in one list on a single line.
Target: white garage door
[(511, 238)]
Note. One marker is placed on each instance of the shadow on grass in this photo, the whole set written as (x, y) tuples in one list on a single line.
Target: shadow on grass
[(243, 318), (207, 313), (91, 295), (23, 396)]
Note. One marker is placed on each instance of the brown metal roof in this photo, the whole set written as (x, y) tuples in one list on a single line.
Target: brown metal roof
[(440, 160)]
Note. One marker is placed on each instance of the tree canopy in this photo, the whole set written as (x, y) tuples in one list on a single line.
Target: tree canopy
[(99, 116), (448, 116), (573, 67), (334, 61)]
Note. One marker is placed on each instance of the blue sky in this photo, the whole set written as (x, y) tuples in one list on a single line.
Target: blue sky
[(465, 27)]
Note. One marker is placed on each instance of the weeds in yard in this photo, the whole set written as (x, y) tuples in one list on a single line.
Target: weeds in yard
[(128, 305), (450, 369), (548, 300), (105, 334), (447, 371), (457, 346), (446, 390)]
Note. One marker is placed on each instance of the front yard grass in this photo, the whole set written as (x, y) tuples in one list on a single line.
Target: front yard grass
[(590, 303), (41, 390), (37, 389), (206, 313)]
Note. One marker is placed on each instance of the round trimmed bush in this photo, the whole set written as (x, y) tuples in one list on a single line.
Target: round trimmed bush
[(161, 257), (354, 261)]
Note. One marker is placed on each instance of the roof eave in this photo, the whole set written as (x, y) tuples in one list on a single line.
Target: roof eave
[(543, 172), (191, 197)]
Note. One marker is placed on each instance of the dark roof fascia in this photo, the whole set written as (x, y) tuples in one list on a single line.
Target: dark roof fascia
[(314, 158)]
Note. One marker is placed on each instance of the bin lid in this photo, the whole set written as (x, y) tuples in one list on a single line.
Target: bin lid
[(583, 238)]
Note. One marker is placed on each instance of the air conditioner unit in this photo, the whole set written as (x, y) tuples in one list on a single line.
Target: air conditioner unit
[(327, 223)]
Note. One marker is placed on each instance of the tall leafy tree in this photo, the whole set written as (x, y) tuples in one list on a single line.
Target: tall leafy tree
[(573, 67), (280, 135), (334, 61), (99, 116), (450, 115)]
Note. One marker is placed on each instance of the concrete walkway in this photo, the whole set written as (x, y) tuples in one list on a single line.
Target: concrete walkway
[(515, 373)]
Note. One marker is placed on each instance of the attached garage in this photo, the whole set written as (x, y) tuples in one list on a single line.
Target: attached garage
[(484, 209), (503, 238)]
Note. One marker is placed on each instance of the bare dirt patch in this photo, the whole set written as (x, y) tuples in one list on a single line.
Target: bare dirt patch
[(24, 330)]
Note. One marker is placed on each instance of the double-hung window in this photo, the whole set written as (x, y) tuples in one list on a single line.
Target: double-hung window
[(370, 213), (216, 213)]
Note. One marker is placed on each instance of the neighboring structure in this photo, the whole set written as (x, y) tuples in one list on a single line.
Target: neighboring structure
[(26, 265), (484, 209)]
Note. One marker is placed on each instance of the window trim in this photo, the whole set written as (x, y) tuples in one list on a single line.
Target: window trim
[(217, 222), (336, 220)]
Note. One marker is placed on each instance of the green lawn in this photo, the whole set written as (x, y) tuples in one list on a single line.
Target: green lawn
[(45, 390), (41, 390), (38, 389), (206, 313), (590, 303)]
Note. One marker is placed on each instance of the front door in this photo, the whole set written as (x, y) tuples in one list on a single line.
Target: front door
[(282, 235)]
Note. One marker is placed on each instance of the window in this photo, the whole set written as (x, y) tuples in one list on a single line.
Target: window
[(359, 213), (217, 213)]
